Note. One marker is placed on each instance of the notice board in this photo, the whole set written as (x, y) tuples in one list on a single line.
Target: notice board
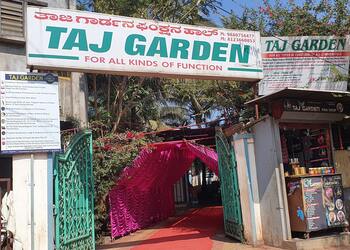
[(29, 113), (310, 62)]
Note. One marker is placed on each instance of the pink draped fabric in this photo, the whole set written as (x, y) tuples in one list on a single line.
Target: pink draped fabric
[(143, 194)]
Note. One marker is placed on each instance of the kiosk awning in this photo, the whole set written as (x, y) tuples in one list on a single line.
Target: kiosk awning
[(305, 94)]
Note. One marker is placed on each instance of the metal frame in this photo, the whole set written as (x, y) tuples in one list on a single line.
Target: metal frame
[(74, 195), (229, 187)]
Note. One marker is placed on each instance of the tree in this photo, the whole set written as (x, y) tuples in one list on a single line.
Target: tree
[(308, 18), (123, 97)]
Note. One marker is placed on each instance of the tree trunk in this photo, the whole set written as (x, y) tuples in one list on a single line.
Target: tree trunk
[(118, 103), (95, 96), (109, 94), (198, 109)]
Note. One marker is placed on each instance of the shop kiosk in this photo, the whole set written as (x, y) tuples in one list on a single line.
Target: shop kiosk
[(295, 162)]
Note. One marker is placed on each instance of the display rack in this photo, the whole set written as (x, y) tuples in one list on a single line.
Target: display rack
[(325, 145)]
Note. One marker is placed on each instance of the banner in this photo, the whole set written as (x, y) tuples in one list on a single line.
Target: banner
[(91, 42), (29, 106), (315, 62)]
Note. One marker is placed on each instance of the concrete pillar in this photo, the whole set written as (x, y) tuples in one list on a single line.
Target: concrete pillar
[(43, 200), (248, 186)]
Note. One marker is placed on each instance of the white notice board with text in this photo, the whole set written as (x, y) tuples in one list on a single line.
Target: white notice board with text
[(30, 119)]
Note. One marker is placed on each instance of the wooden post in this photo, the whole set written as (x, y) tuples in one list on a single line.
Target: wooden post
[(340, 139)]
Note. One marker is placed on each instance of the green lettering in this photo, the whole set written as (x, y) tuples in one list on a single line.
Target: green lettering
[(276, 46), (158, 46), (106, 43), (332, 44), (305, 45), (269, 42), (342, 42), (296, 45), (131, 48), (313, 45), (218, 52), (201, 50), (323, 44), (55, 36), (179, 45), (76, 38), (285, 42), (236, 49)]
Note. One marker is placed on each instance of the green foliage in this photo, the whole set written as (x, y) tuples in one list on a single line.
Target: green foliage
[(296, 18), (182, 11), (112, 153), (202, 98), (128, 104), (173, 115), (251, 19)]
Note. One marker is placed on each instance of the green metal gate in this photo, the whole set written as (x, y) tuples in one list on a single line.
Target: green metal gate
[(74, 195), (229, 187)]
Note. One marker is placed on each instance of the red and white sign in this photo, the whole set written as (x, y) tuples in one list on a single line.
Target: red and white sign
[(316, 62)]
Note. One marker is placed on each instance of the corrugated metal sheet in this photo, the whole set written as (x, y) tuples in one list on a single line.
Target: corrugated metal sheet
[(307, 94)]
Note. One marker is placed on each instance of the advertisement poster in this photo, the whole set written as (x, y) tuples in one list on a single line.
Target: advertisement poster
[(334, 200), (313, 201), (93, 42), (29, 112), (310, 62)]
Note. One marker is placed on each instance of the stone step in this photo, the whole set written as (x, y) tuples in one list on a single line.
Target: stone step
[(339, 241)]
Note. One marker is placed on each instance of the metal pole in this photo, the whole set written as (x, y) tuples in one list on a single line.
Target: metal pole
[(32, 201)]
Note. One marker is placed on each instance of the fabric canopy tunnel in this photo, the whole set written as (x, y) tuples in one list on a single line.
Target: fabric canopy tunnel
[(143, 194)]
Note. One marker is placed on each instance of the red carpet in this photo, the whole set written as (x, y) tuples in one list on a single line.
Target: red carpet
[(191, 232)]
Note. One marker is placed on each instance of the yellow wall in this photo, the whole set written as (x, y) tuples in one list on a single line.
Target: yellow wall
[(342, 165)]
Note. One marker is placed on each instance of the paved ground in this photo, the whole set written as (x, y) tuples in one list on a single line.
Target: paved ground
[(198, 229)]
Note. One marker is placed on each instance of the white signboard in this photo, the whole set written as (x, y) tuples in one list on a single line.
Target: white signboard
[(29, 112), (315, 62), (85, 41)]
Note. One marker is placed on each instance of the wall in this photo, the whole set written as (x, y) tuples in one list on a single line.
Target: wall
[(342, 162), (63, 4), (13, 59), (43, 209), (248, 188), (267, 155)]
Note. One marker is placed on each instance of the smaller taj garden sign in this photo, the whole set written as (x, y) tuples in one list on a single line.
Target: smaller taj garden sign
[(308, 62), (312, 106), (85, 41)]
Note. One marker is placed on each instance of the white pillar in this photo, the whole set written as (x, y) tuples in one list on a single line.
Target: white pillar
[(248, 187), (43, 200)]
